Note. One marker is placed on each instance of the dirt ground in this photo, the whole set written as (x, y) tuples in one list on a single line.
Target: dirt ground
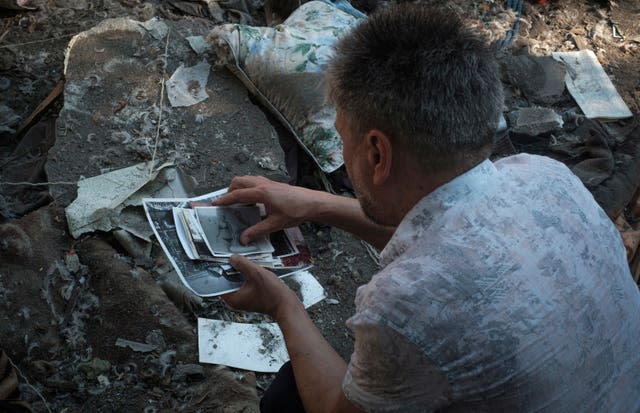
[(64, 346)]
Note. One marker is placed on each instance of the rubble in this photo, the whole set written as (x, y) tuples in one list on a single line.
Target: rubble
[(540, 78), (64, 303), (113, 114), (535, 121)]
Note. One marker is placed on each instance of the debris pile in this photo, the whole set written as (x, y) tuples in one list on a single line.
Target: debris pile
[(92, 315)]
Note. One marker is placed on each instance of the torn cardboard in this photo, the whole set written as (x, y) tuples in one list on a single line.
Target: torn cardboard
[(590, 86)]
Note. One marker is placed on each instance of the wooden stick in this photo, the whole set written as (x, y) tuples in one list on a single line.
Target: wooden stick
[(39, 110)]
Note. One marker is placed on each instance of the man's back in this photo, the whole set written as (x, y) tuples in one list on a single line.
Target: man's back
[(512, 287)]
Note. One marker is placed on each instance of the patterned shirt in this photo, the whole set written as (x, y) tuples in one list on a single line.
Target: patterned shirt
[(506, 289)]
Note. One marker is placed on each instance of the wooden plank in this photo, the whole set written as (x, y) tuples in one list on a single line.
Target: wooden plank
[(39, 110)]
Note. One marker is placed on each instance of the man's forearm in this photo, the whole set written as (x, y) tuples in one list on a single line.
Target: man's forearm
[(318, 369), (345, 213)]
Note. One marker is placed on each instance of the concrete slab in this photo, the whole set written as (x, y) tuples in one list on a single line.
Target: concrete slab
[(540, 78), (535, 121), (114, 116)]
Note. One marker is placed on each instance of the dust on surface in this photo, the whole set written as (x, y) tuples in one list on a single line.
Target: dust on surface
[(99, 307)]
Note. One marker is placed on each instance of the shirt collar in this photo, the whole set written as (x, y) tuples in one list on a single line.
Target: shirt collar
[(433, 206)]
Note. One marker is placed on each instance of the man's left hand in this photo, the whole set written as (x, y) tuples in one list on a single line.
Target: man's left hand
[(262, 291)]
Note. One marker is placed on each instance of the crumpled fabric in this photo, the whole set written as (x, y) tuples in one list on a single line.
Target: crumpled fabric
[(588, 152)]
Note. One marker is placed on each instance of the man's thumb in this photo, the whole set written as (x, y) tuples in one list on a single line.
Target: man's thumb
[(247, 268)]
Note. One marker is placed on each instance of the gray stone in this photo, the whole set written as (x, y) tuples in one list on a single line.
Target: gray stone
[(113, 116), (535, 121), (191, 372), (540, 78)]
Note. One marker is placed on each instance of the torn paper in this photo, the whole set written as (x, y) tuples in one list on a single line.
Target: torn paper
[(187, 85), (311, 292), (101, 198), (255, 347), (591, 87)]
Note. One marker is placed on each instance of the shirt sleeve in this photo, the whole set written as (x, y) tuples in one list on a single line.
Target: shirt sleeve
[(388, 373)]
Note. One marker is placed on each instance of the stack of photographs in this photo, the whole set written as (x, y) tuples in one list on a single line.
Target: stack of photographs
[(198, 240)]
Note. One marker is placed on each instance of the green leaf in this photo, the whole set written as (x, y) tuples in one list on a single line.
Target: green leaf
[(313, 58), (302, 48), (301, 67)]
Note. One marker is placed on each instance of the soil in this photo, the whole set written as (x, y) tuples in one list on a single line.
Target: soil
[(59, 344)]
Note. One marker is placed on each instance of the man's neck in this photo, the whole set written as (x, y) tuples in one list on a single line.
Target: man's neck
[(410, 187)]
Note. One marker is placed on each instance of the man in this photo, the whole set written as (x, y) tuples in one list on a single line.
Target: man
[(504, 286)]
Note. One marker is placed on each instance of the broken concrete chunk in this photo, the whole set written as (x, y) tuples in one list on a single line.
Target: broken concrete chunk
[(113, 115), (135, 346), (198, 44), (187, 85), (8, 119), (535, 121), (190, 372), (156, 28), (591, 87), (540, 78)]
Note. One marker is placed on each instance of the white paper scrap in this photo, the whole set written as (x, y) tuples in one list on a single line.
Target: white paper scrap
[(255, 347), (186, 86), (590, 86), (310, 289), (101, 198)]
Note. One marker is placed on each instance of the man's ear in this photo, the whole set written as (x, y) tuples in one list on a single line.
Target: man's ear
[(379, 156)]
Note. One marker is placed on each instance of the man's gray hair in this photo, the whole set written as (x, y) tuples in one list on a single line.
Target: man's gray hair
[(423, 77)]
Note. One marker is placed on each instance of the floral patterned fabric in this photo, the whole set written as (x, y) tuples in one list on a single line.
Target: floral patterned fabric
[(506, 289), (283, 66)]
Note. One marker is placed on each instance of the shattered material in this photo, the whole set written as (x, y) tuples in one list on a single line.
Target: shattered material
[(9, 120), (101, 198), (540, 78), (114, 117), (186, 86), (198, 44), (591, 87), (535, 121), (156, 28), (135, 346)]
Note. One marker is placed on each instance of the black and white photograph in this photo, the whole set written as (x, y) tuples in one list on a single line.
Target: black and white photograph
[(222, 227), (181, 237)]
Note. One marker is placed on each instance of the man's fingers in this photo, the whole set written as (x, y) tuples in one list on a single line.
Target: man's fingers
[(264, 227), (246, 267), (247, 181), (239, 196)]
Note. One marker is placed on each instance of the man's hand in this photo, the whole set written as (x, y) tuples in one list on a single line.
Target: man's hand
[(318, 369), (286, 205), (262, 292)]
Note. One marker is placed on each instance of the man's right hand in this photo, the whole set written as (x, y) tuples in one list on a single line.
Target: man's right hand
[(286, 205)]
